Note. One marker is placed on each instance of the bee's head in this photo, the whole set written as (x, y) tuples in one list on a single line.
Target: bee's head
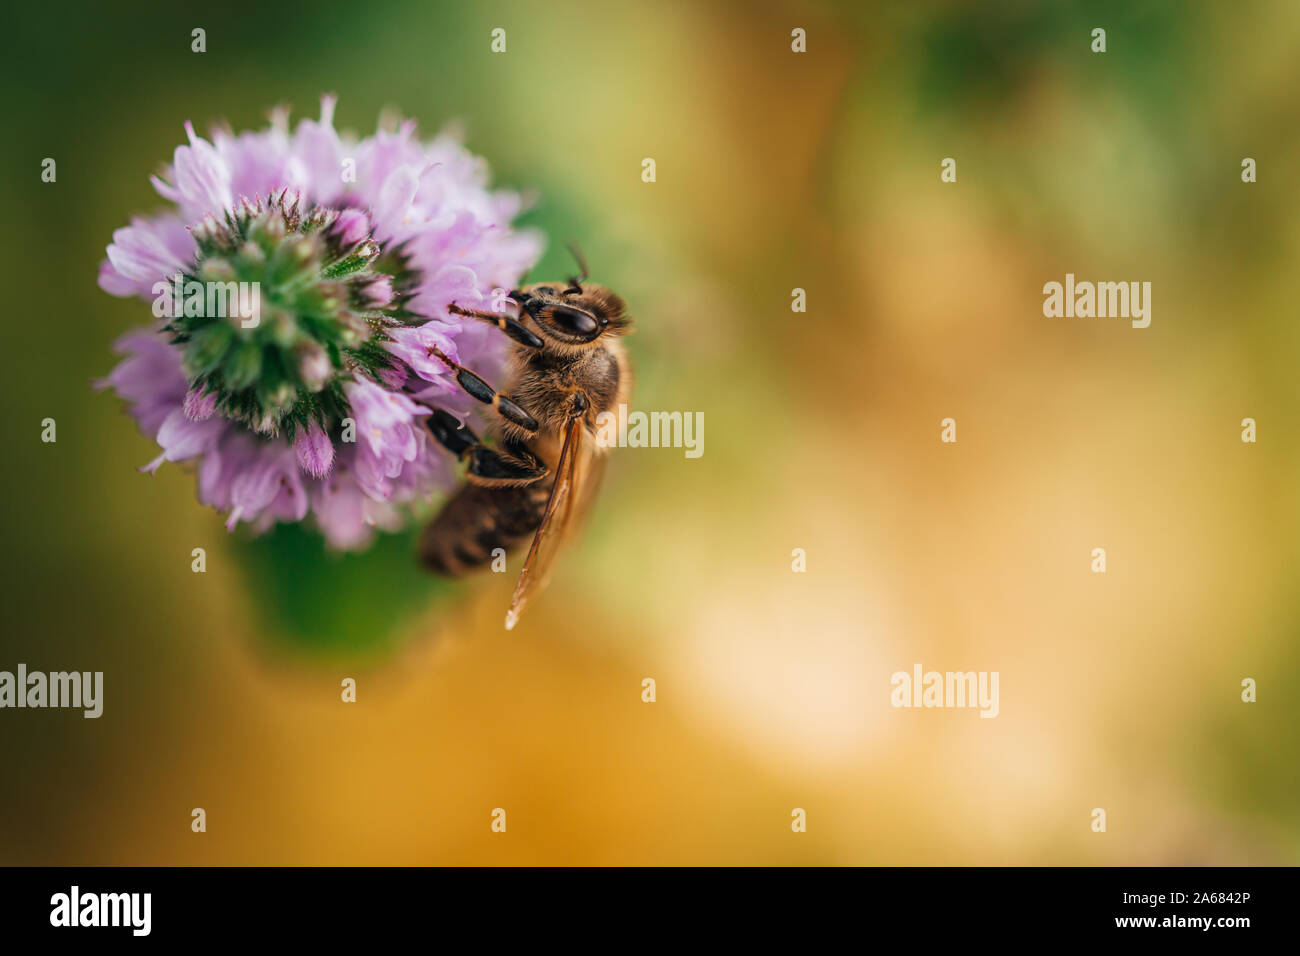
[(574, 315)]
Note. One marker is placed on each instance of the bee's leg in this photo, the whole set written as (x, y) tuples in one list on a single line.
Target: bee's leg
[(513, 469), (481, 391), (450, 433), (506, 323), (513, 466)]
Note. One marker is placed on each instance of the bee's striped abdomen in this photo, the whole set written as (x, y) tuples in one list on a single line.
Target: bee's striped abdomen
[(476, 520)]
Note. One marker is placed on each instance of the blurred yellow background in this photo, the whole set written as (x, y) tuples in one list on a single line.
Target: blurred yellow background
[(775, 171)]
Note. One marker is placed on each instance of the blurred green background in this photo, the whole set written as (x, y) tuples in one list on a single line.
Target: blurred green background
[(775, 171)]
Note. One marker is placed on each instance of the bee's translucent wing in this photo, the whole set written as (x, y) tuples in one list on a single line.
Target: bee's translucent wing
[(564, 505), (591, 471)]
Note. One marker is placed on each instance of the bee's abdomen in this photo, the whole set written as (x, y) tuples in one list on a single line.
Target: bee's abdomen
[(477, 520)]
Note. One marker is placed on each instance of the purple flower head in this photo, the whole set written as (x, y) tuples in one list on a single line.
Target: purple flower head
[(300, 285)]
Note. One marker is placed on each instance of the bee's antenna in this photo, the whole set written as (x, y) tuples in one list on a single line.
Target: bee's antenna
[(576, 282)]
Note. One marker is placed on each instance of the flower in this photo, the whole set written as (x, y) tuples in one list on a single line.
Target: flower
[(301, 283)]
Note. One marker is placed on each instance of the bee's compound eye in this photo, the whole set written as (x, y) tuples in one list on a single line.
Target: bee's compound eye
[(573, 320), (545, 290)]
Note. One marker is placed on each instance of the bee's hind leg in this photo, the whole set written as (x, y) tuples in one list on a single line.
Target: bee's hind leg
[(514, 466)]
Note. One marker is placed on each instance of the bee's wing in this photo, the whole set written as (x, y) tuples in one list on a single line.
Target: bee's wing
[(591, 471), (564, 505)]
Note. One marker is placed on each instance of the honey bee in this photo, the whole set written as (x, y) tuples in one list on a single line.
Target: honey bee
[(540, 474)]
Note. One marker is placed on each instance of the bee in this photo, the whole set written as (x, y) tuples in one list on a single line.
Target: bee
[(540, 473)]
